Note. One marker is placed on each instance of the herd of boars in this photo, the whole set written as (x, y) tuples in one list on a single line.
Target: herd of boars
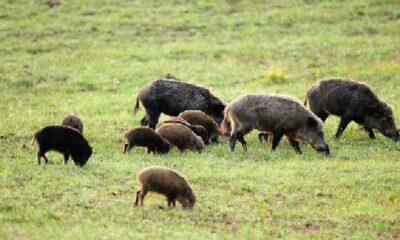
[(198, 118)]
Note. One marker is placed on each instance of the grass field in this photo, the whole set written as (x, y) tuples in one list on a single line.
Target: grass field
[(92, 57)]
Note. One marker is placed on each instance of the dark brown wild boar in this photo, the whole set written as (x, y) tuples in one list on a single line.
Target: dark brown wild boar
[(172, 97), (196, 117), (145, 137), (66, 140), (180, 136), (73, 121), (279, 115), (197, 129), (352, 101), (167, 182)]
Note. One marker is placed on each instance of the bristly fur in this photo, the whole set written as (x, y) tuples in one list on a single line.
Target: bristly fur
[(172, 97), (276, 114), (197, 117), (145, 137), (199, 130), (73, 121), (352, 101), (63, 139), (180, 136), (167, 182)]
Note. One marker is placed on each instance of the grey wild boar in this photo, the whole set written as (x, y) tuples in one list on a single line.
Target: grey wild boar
[(181, 137), (196, 117), (352, 101), (172, 97), (278, 115), (73, 121), (167, 182), (199, 130), (65, 140), (145, 137)]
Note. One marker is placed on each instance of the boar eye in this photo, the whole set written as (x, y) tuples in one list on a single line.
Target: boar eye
[(321, 134)]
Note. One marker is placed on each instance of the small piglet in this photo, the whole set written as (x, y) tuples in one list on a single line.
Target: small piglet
[(197, 117), (66, 140), (180, 136), (145, 137), (352, 101), (167, 182), (199, 130), (73, 121)]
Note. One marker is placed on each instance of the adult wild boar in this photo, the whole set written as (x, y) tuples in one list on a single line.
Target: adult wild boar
[(278, 115), (352, 101), (172, 97)]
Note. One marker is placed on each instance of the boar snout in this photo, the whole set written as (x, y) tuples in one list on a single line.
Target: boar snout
[(323, 149)]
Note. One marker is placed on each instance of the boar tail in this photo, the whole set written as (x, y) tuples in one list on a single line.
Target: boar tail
[(136, 108)]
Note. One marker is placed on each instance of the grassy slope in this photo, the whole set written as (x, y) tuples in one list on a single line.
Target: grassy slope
[(92, 58)]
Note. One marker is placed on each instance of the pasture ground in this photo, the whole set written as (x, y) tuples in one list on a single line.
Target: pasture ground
[(92, 57)]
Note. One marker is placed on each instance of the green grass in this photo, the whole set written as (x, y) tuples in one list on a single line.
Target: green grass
[(92, 57)]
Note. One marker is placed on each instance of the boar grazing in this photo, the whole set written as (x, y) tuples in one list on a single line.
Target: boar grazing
[(73, 121), (352, 101), (145, 137), (197, 129), (167, 182), (65, 140), (180, 136), (278, 115), (172, 97), (196, 117)]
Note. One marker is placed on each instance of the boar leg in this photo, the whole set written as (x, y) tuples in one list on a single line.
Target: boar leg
[(142, 195), (344, 121), (144, 121), (371, 133), (45, 159), (153, 119), (137, 198), (171, 202), (295, 145), (323, 116), (276, 138), (66, 157), (39, 156), (239, 137), (232, 141)]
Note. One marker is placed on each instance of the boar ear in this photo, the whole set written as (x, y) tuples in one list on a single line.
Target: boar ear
[(311, 123)]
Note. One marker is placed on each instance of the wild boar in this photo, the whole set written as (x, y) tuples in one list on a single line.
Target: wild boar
[(352, 101), (66, 140), (180, 136), (196, 117), (145, 137), (167, 182), (172, 97), (197, 129), (73, 121), (279, 115)]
